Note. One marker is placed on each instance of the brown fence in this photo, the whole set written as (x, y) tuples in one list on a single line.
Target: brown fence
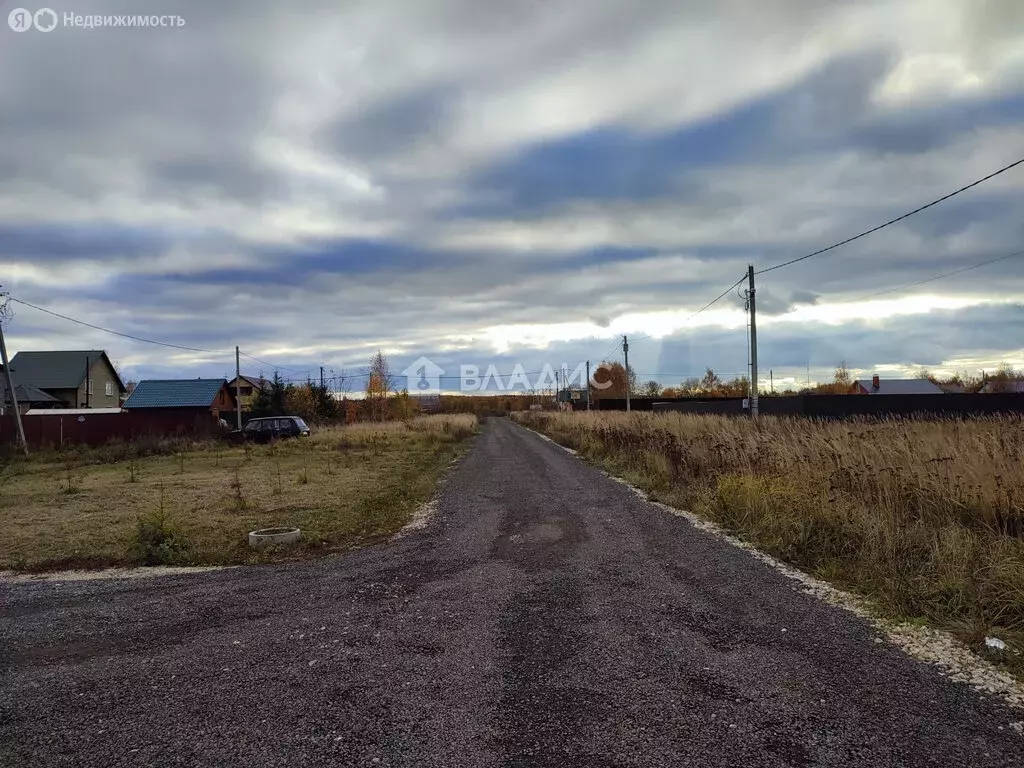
[(100, 428)]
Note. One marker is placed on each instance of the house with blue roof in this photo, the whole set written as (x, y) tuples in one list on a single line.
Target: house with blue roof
[(206, 398)]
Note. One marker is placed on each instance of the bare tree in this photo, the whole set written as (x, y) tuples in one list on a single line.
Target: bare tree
[(842, 378), (340, 381), (710, 382)]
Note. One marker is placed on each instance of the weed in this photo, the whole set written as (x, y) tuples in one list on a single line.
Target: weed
[(277, 463), (238, 502), (70, 483), (132, 476)]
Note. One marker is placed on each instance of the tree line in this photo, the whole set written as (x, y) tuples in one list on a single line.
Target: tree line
[(1004, 379), (383, 401)]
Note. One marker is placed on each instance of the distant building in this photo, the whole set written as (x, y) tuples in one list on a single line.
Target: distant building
[(78, 379), (880, 386), (247, 387), (208, 398)]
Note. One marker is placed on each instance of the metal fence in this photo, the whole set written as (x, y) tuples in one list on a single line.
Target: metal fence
[(847, 406), (100, 428)]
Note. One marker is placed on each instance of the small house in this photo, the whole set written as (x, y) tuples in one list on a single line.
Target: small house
[(880, 386), (209, 398), (246, 388), (78, 379)]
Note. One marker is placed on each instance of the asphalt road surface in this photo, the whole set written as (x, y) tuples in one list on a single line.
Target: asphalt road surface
[(548, 617)]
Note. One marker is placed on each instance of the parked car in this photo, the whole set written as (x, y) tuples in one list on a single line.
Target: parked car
[(267, 428)]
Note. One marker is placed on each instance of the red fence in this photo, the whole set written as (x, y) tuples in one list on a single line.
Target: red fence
[(100, 428)]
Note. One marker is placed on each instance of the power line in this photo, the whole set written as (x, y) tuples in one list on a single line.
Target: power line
[(1004, 169), (611, 350), (689, 375), (275, 366), (640, 336), (717, 299), (940, 277), (118, 333)]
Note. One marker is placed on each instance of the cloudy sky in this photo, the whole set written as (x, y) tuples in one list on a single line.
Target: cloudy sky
[(516, 182)]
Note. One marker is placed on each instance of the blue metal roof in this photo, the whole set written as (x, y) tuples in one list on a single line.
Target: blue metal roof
[(174, 393)]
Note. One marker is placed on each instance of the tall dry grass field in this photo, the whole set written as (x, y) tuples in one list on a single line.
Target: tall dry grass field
[(925, 517)]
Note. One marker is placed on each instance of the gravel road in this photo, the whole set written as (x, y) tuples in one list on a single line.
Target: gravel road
[(547, 617)]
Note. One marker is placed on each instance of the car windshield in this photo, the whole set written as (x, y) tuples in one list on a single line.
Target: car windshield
[(301, 423)]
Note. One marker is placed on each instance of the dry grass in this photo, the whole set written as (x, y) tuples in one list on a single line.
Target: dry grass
[(925, 517), (196, 503)]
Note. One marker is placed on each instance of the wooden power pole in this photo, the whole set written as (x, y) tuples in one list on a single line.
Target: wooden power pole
[(10, 378)]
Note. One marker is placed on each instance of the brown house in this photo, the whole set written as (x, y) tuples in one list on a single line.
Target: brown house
[(247, 388), (880, 386), (207, 398), (78, 379)]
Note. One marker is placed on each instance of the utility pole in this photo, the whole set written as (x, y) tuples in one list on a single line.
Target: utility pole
[(238, 390), (771, 375), (87, 382), (625, 354), (588, 385), (10, 378), (753, 342), (321, 377)]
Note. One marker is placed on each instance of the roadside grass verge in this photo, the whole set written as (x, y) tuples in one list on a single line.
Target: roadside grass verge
[(177, 503), (925, 518)]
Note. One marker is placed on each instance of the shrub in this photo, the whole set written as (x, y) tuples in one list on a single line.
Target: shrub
[(159, 541)]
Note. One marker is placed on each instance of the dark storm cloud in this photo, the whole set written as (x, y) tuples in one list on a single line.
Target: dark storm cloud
[(300, 178)]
